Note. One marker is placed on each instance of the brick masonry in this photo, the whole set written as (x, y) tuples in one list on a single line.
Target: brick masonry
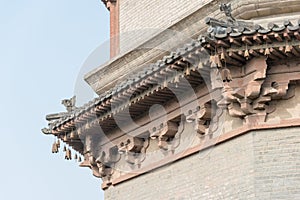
[(277, 164), (142, 19), (189, 23), (257, 165)]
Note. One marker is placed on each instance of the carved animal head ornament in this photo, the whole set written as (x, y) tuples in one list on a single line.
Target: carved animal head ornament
[(229, 24), (226, 8), (69, 103)]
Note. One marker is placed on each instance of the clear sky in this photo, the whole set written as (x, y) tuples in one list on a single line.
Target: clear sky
[(43, 47)]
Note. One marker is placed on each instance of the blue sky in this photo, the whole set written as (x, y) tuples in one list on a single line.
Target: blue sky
[(43, 50)]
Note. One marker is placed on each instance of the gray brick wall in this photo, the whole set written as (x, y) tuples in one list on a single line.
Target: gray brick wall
[(140, 19), (257, 165), (277, 164)]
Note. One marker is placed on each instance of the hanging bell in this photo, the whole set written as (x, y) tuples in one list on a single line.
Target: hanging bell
[(54, 148), (68, 155), (65, 148), (79, 159), (75, 157), (218, 61), (267, 52), (58, 144), (176, 79), (213, 65), (246, 54), (212, 58), (73, 135), (188, 71), (213, 62), (216, 58), (223, 56), (226, 75), (165, 83)]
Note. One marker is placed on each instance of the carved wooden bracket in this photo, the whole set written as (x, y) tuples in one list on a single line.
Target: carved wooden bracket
[(132, 144), (201, 117), (102, 166), (106, 159), (247, 99), (90, 162), (164, 133), (250, 97), (105, 173), (109, 156), (134, 149)]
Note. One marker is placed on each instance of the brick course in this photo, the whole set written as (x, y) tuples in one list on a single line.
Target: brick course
[(257, 165), (142, 19)]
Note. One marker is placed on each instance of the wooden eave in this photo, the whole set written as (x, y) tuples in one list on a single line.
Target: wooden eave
[(150, 86), (276, 42)]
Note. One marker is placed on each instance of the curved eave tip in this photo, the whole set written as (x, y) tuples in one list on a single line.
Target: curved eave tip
[(46, 131)]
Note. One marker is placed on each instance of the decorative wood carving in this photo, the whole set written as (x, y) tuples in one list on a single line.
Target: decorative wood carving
[(109, 156), (201, 117), (105, 173), (164, 133), (134, 149), (100, 161), (250, 97), (250, 90), (69, 103)]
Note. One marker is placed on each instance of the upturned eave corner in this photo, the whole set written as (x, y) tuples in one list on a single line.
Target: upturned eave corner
[(246, 75)]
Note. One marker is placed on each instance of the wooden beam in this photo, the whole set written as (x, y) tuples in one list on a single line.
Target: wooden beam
[(257, 39), (246, 40), (297, 35), (276, 53), (253, 52), (278, 37), (295, 52), (267, 38), (223, 44), (236, 56), (287, 36)]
